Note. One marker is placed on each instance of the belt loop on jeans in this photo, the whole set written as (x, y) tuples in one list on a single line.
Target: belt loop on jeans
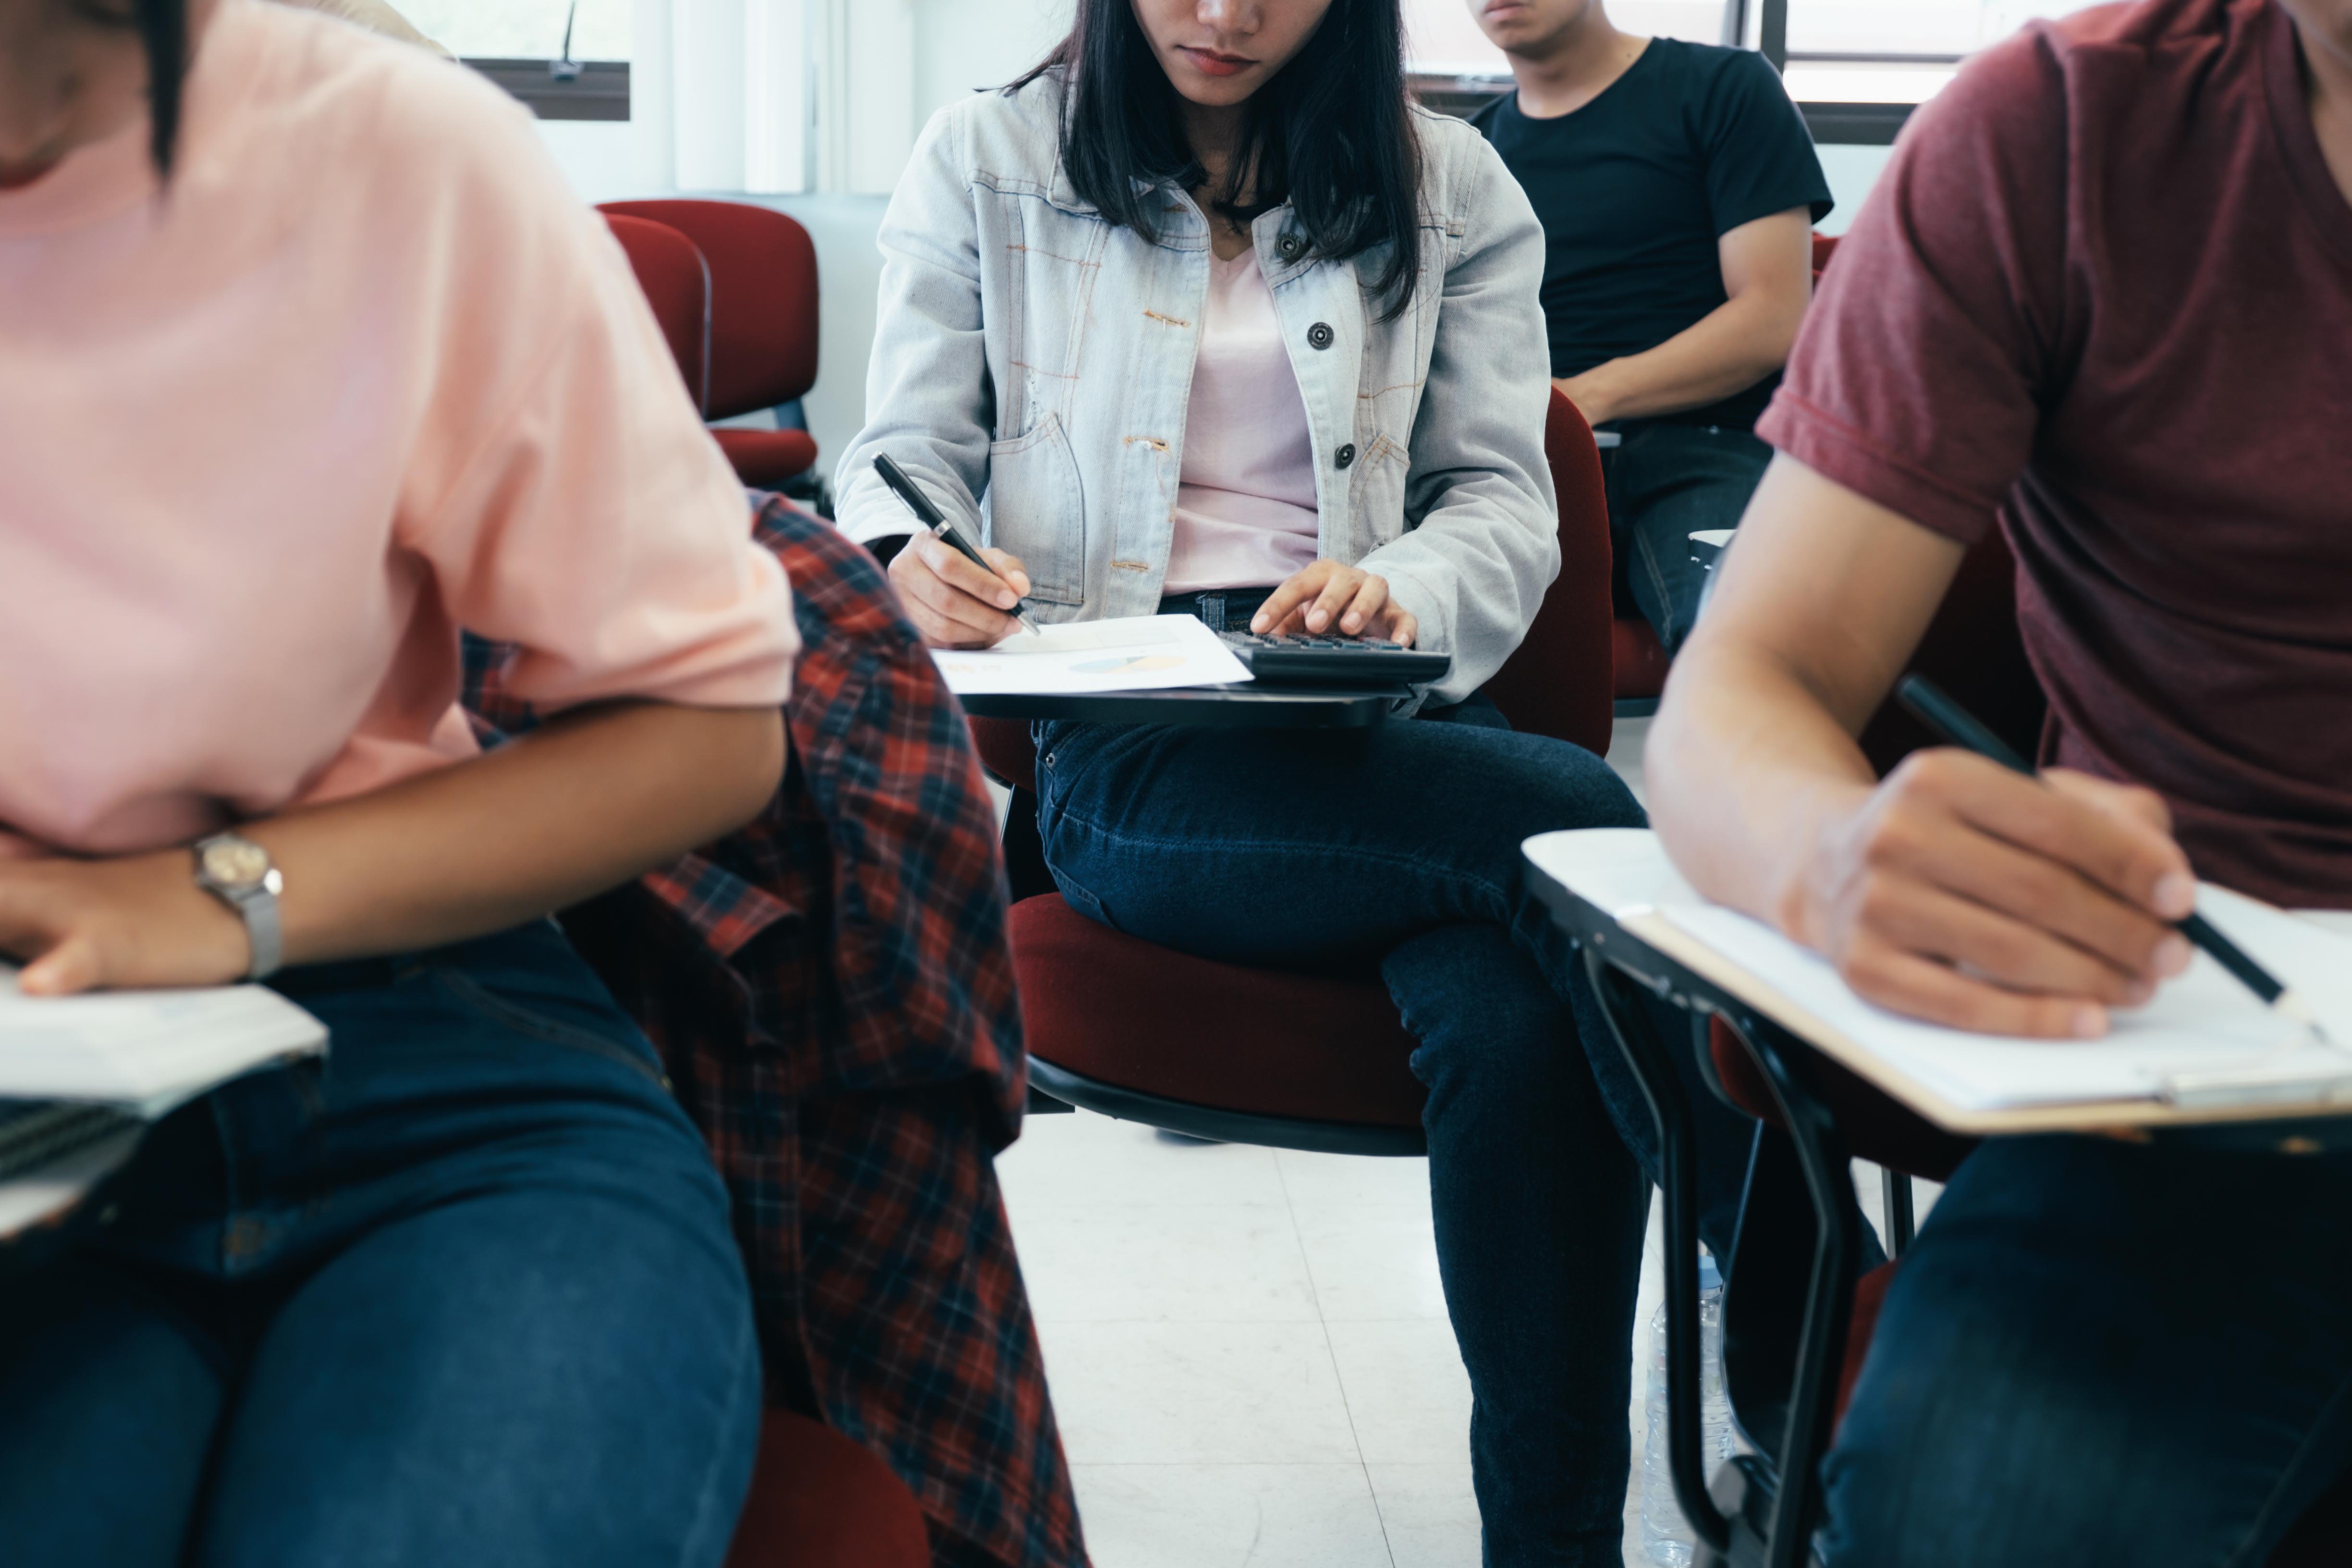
[(1211, 611)]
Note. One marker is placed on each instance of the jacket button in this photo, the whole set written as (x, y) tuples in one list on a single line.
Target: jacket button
[(1345, 455), (1320, 335), (1290, 246)]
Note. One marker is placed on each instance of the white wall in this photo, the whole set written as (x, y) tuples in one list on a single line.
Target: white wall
[(1853, 171)]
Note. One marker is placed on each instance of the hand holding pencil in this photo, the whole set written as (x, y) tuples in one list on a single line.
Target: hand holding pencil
[(1963, 892)]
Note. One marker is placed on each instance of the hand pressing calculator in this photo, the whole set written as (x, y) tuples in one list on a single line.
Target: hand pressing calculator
[(1349, 662)]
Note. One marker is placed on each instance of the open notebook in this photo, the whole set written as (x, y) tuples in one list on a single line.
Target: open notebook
[(2204, 1043), (143, 1050), (82, 1076)]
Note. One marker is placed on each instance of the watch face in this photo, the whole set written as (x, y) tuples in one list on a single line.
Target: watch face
[(235, 863)]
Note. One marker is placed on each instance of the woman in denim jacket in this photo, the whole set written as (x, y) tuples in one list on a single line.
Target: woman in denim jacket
[(1204, 317)]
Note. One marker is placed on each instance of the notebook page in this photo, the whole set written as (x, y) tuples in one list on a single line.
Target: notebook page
[(2204, 1021), (142, 1047)]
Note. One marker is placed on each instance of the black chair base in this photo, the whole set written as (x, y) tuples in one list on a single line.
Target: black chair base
[(1219, 1125)]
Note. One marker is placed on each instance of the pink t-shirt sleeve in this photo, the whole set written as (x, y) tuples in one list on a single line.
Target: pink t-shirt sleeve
[(565, 496), (1915, 381)]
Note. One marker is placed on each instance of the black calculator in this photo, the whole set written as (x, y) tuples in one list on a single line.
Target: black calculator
[(1335, 661)]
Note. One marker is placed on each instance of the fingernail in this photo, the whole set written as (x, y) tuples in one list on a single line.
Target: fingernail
[(1007, 599), (2172, 955), (2090, 1023), (2137, 993), (2176, 897)]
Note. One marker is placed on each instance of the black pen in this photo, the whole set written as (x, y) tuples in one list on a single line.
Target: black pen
[(1955, 725), (932, 518)]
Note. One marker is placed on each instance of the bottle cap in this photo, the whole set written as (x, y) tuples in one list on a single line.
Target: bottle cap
[(1710, 1277)]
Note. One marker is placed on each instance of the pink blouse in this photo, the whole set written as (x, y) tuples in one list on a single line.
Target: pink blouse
[(1245, 504), (364, 375)]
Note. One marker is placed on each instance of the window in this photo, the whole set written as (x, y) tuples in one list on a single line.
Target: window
[(519, 45), (1866, 51), (1856, 67)]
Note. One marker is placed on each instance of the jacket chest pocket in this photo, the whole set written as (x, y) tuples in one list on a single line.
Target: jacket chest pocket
[(1037, 511)]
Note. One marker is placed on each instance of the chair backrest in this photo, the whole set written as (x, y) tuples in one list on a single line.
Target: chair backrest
[(676, 282), (1559, 682), (763, 299), (1972, 650)]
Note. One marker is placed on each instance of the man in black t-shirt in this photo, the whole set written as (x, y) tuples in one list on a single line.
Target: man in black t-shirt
[(1677, 187)]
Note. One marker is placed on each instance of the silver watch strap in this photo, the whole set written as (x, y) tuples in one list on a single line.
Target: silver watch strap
[(259, 909)]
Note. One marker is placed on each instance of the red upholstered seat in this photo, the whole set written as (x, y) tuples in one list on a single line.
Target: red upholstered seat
[(1971, 649), (1118, 1010), (1548, 685), (766, 459), (820, 1500), (1124, 1017), (1637, 659), (763, 323), (677, 283)]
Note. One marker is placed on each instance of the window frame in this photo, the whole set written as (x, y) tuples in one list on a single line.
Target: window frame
[(560, 90)]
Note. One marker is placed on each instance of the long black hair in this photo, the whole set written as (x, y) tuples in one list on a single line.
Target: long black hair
[(1332, 134), (163, 30)]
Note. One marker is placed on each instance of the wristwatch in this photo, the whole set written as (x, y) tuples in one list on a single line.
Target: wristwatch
[(238, 871)]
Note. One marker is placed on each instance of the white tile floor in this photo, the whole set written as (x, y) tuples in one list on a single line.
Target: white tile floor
[(1248, 1347)]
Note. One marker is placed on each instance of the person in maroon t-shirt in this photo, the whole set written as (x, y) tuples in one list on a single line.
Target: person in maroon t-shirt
[(2103, 299)]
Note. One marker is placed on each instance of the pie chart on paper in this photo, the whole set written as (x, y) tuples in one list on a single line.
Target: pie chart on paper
[(1132, 664)]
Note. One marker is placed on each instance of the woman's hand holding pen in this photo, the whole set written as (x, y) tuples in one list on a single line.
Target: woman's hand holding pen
[(953, 602), (1966, 894), (1330, 598)]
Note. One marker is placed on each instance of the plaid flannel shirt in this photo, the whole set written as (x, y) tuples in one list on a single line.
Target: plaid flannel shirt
[(831, 989)]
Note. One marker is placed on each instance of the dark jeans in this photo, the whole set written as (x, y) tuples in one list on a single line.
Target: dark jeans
[(1667, 482), (2099, 1353), (1396, 852), (464, 1292)]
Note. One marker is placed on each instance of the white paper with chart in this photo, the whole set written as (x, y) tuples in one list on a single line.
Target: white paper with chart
[(1136, 653)]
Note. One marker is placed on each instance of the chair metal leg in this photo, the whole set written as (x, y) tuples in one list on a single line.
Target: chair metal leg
[(1896, 1192), (1827, 1168), (1637, 1037)]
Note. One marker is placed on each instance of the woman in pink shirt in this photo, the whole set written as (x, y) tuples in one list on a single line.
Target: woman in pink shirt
[(307, 360)]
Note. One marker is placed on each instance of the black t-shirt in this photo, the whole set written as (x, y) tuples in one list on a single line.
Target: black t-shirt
[(1635, 188)]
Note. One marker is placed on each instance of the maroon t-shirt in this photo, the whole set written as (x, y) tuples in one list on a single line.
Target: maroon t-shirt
[(2104, 293)]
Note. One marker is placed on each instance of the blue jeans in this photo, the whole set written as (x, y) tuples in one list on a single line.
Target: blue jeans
[(1667, 482), (2099, 1353), (1396, 852), (462, 1293)]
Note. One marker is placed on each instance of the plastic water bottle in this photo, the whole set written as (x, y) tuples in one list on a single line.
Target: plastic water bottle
[(1666, 1537)]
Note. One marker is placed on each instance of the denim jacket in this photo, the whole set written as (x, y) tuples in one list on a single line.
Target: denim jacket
[(1033, 369)]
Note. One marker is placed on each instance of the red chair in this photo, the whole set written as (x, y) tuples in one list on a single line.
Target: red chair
[(676, 282), (764, 324), (1105, 1011), (822, 1500), (1775, 1339), (1639, 663)]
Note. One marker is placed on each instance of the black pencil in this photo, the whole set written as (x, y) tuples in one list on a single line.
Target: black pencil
[(1957, 726)]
